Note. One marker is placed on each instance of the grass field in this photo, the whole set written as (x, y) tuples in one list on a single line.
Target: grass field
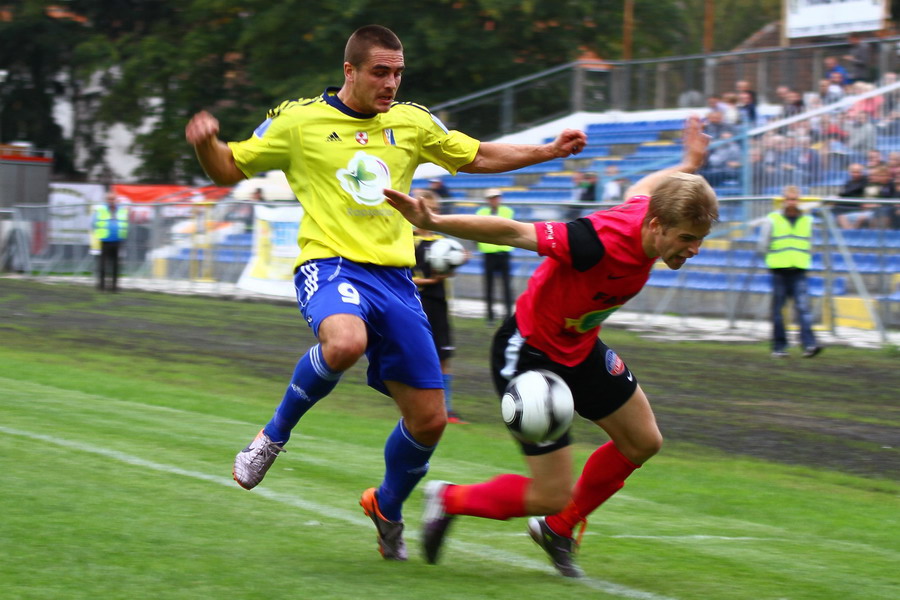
[(120, 416)]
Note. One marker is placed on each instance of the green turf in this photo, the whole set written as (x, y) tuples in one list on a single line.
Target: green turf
[(118, 461)]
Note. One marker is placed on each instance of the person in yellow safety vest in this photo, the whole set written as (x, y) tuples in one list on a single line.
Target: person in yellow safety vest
[(786, 241), (110, 227), (496, 258)]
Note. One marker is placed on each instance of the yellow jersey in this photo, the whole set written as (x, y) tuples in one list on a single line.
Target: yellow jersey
[(338, 161)]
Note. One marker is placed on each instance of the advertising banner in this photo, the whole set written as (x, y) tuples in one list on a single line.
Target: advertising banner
[(807, 18), (71, 206), (271, 266)]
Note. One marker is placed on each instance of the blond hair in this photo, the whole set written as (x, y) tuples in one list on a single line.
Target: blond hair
[(683, 197)]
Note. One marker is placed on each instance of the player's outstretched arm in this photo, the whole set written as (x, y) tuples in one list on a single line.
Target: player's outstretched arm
[(696, 145), (214, 155), (480, 228), (495, 157)]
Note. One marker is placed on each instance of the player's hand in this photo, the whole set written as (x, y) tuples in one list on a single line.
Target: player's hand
[(696, 143), (413, 210), (569, 142), (201, 128)]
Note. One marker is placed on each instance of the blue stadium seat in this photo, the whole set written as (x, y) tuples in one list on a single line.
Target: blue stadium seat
[(557, 165), (467, 181), (538, 195), (554, 182), (475, 266)]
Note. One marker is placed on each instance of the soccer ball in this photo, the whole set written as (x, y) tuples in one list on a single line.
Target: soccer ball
[(537, 406), (445, 254)]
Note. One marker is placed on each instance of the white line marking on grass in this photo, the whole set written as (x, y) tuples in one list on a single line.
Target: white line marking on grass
[(479, 550), (697, 537)]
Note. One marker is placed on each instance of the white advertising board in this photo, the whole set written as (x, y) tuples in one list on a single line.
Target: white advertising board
[(807, 18)]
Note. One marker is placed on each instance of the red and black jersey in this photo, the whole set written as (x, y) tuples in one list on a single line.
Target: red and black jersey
[(594, 265)]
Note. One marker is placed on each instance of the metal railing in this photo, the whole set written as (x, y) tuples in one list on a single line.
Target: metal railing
[(647, 84)]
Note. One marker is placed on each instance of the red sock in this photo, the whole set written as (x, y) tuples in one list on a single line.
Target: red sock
[(603, 475), (500, 498)]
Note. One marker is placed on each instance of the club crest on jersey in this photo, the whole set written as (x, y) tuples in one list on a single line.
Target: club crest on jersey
[(365, 178), (362, 137), (614, 364)]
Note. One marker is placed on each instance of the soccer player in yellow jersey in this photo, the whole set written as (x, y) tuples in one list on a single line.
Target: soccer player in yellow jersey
[(352, 276)]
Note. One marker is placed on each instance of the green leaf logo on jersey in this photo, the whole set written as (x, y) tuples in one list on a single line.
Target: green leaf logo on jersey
[(365, 178), (590, 320)]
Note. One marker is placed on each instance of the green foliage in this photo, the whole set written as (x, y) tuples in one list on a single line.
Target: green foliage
[(155, 63)]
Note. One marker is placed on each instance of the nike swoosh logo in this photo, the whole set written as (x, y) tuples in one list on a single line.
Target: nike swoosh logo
[(630, 377)]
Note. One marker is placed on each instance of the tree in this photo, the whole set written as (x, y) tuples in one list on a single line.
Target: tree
[(35, 51), (149, 65)]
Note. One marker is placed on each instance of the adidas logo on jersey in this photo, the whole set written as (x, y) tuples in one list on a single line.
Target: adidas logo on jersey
[(334, 137)]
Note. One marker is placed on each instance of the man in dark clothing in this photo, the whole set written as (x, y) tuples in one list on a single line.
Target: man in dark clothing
[(854, 187)]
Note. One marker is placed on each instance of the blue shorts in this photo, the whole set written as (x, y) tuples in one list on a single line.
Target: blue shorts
[(400, 346)]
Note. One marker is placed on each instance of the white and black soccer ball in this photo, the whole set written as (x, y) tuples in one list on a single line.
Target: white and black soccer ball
[(445, 254), (537, 406)]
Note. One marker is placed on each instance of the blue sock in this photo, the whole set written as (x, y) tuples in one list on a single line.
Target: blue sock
[(313, 380), (406, 462), (448, 391)]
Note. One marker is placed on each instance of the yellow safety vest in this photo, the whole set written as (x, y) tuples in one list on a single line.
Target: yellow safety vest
[(791, 245), (103, 218), (502, 211)]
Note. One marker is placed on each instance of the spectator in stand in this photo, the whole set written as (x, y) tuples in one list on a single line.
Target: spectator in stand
[(793, 104), (587, 186), (859, 59), (757, 170), (436, 186), (861, 135), (831, 89), (776, 162), (781, 93), (715, 103), (714, 124), (892, 218), (879, 187), (613, 185), (870, 106), (832, 67), (832, 142), (747, 109), (803, 159), (585, 190), (890, 98), (893, 163), (881, 183), (723, 162), (854, 187), (856, 183), (731, 113), (874, 160), (742, 86)]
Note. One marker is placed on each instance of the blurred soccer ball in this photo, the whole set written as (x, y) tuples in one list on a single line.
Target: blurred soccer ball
[(537, 406), (445, 254)]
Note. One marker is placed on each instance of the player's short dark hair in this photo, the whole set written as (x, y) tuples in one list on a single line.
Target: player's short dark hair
[(365, 38)]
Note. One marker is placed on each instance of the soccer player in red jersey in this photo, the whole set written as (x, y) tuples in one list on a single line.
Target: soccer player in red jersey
[(593, 266)]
